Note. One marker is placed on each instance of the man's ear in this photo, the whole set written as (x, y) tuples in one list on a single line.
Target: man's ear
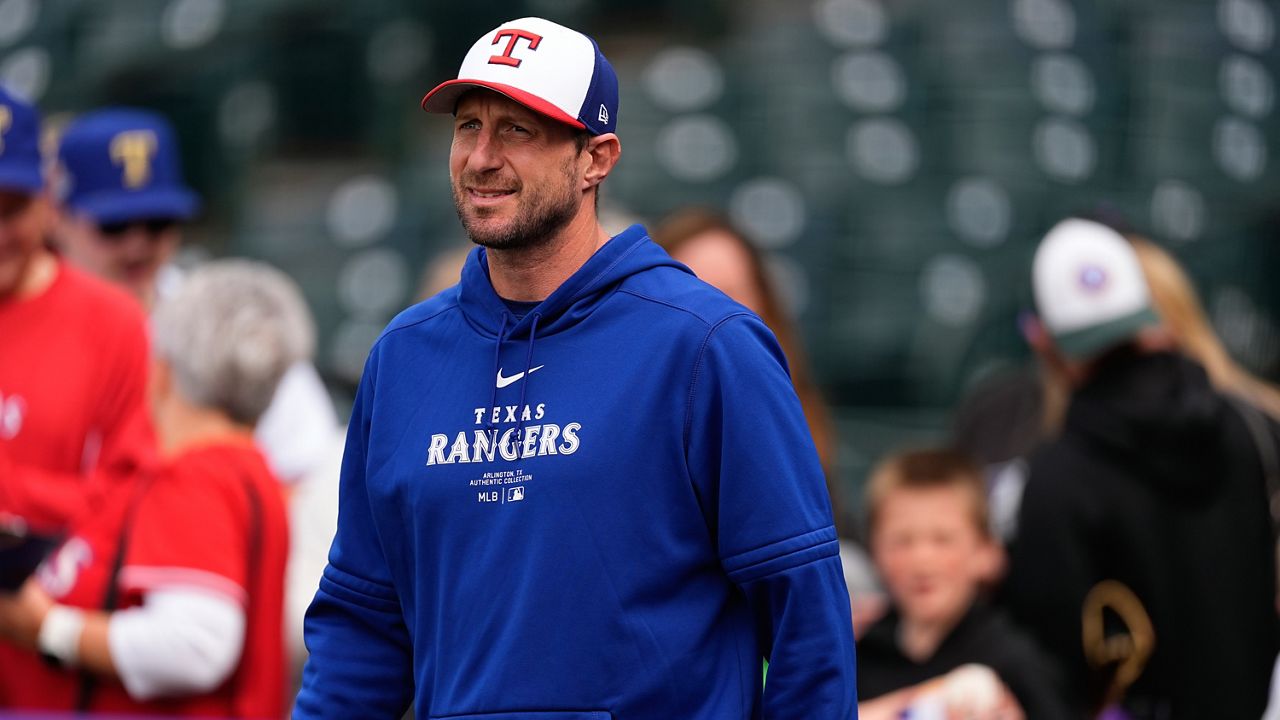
[(1042, 344), (1034, 333), (602, 152), (45, 208)]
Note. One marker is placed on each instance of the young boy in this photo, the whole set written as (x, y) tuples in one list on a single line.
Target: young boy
[(932, 547)]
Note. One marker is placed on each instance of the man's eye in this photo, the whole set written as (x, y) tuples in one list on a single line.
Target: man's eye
[(469, 125), (519, 129)]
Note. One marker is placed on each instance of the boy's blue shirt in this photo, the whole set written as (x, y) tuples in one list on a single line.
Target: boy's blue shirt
[(609, 508)]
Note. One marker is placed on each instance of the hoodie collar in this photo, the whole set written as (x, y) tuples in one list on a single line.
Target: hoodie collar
[(625, 254)]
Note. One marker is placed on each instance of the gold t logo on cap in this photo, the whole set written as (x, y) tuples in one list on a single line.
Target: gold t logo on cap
[(6, 120), (134, 149)]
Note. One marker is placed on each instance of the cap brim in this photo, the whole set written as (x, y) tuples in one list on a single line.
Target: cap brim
[(21, 179), (123, 206), (444, 98), (1091, 341)]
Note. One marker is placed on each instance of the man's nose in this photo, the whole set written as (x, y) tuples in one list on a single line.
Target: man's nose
[(485, 154)]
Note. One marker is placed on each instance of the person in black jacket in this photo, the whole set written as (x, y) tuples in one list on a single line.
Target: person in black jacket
[(933, 549), (1144, 557)]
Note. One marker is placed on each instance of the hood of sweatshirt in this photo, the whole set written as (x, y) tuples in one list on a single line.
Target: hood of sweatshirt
[(625, 254), (1159, 415)]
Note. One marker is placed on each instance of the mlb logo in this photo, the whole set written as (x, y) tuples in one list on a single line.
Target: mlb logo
[(516, 493)]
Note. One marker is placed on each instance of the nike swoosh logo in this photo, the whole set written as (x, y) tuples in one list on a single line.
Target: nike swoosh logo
[(505, 381)]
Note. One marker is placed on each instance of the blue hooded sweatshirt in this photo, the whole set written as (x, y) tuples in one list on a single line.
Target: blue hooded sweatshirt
[(608, 508)]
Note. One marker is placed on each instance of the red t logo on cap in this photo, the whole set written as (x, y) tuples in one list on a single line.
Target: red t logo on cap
[(512, 37)]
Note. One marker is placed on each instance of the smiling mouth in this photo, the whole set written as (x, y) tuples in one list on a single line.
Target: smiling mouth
[(490, 194)]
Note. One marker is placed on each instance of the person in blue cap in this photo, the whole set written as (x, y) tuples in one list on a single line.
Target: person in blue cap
[(123, 197), (73, 362), (123, 205), (24, 210)]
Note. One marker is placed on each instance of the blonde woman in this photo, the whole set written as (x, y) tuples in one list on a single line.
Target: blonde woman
[(1179, 306)]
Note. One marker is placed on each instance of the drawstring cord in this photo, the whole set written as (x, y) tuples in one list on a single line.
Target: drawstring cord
[(497, 358), (524, 386)]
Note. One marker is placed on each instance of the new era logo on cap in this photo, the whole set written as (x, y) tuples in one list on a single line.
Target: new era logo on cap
[(1089, 287), (549, 68)]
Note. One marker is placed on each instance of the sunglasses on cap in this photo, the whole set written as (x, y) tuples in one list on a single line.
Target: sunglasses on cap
[(114, 232)]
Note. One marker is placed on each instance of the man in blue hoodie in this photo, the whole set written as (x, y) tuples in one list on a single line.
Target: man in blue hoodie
[(579, 485)]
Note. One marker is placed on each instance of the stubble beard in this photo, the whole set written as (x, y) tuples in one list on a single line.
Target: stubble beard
[(541, 213)]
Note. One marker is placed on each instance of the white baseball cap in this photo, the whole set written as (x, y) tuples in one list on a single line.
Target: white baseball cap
[(1089, 288), (546, 67)]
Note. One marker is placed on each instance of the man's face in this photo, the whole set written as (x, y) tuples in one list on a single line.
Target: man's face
[(930, 552), (516, 175), (129, 254), (24, 222)]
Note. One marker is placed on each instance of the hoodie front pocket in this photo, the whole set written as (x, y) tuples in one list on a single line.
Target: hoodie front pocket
[(533, 715)]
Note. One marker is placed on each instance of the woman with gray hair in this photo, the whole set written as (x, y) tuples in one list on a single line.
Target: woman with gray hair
[(170, 600)]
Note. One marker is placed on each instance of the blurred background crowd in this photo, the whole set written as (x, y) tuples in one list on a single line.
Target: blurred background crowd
[(895, 160), (878, 175)]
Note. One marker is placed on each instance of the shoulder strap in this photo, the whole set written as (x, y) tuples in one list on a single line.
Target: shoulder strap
[(251, 564), (255, 536), (111, 596)]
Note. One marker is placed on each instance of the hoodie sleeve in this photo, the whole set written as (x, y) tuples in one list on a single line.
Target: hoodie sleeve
[(758, 478), (360, 662)]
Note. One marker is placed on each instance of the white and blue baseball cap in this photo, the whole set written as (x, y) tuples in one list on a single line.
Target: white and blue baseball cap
[(546, 67), (1089, 288)]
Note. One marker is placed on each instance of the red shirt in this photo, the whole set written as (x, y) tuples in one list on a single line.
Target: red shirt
[(212, 518), (73, 375)]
